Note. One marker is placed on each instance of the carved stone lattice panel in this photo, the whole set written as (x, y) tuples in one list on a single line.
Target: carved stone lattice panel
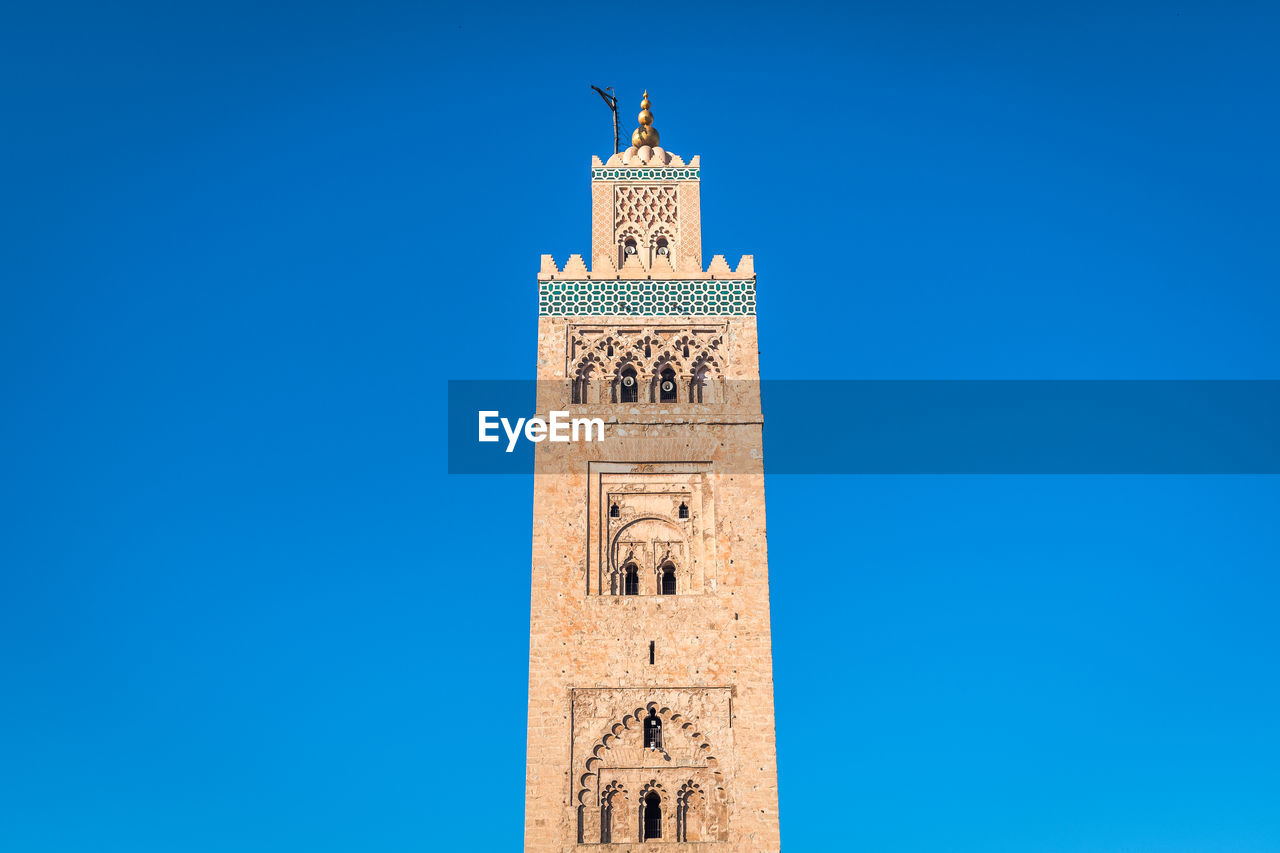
[(644, 206)]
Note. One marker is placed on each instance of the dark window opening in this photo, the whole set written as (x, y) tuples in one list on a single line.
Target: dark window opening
[(614, 512), (667, 386), (684, 510), (631, 583), (629, 246), (651, 642), (630, 389), (662, 246), (606, 818), (668, 579), (652, 816), (652, 731)]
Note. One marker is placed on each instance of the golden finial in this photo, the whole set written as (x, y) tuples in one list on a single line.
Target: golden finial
[(646, 133)]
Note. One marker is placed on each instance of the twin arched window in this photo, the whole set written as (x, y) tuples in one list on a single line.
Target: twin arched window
[(631, 579)]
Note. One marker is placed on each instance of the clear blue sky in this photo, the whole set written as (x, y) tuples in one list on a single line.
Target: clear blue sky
[(243, 608)]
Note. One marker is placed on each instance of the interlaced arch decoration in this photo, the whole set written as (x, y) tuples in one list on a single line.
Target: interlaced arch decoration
[(704, 374), (613, 799), (623, 546), (590, 368), (688, 800), (601, 355), (678, 731)]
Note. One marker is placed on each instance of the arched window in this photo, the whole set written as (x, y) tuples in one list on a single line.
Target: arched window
[(580, 384), (687, 812), (652, 731), (667, 386), (668, 579), (662, 246), (701, 388), (613, 791), (652, 816), (628, 247), (630, 388), (684, 510), (631, 580), (614, 512)]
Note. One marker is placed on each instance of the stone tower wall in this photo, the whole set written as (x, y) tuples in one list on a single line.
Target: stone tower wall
[(678, 487)]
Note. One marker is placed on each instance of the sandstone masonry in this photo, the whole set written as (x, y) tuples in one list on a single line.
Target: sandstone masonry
[(651, 716)]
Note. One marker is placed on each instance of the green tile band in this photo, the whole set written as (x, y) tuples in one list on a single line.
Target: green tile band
[(647, 298), (665, 174)]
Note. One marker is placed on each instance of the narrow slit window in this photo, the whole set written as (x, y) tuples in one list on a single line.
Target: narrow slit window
[(651, 654)]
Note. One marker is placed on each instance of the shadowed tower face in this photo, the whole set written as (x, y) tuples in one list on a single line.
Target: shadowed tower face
[(650, 673)]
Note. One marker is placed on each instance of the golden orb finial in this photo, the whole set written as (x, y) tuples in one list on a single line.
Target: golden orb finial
[(646, 133)]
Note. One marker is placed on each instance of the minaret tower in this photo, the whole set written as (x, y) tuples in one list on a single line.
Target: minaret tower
[(650, 671)]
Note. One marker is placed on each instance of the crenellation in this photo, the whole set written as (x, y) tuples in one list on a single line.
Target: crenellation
[(719, 267)]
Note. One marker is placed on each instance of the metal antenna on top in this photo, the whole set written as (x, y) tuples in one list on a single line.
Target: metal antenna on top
[(612, 101)]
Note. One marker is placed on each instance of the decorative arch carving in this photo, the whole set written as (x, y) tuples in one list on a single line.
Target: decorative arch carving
[(683, 732), (690, 805), (648, 349), (623, 547), (614, 802), (589, 370)]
